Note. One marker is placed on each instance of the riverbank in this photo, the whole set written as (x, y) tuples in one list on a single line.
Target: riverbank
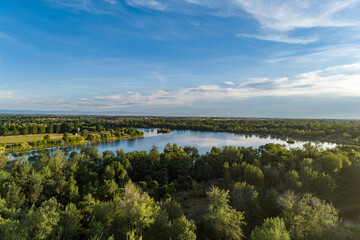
[(59, 141)]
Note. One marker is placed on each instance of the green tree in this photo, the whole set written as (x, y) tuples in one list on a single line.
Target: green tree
[(271, 229), (69, 225), (269, 204), (16, 131), (183, 229), (35, 187), (14, 196), (84, 134), (253, 175), (245, 198), (222, 221), (24, 130), (331, 162), (41, 129), (40, 223), (57, 128), (136, 211), (49, 128), (66, 137), (33, 129), (4, 131), (292, 180), (307, 217), (46, 138)]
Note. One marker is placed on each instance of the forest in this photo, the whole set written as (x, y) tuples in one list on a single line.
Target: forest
[(228, 193), (270, 192)]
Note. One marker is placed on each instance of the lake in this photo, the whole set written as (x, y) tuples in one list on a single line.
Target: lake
[(203, 141)]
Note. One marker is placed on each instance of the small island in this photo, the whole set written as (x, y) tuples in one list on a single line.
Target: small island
[(163, 130), (290, 141)]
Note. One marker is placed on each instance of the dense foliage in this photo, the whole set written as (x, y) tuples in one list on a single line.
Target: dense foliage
[(339, 131), (238, 193)]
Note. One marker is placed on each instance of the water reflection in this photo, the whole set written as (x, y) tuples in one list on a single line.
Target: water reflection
[(202, 140)]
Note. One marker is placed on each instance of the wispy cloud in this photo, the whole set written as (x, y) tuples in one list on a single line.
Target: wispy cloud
[(8, 38), (277, 18), (280, 37), (6, 94), (92, 6), (147, 3), (321, 54), (280, 15), (111, 1), (337, 81), (286, 15), (5, 36)]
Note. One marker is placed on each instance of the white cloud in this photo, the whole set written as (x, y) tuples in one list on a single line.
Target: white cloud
[(337, 81), (6, 94), (333, 82), (229, 83), (279, 37), (147, 3), (92, 6), (277, 18), (287, 15), (159, 76)]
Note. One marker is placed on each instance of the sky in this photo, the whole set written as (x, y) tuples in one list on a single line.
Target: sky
[(229, 58)]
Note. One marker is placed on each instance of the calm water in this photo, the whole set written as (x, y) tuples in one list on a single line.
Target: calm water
[(204, 141)]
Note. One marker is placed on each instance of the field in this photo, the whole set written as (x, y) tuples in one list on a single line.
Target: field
[(27, 138)]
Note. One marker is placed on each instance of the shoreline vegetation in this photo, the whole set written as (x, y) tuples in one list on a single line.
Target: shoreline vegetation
[(163, 130), (290, 141), (345, 132), (13, 145)]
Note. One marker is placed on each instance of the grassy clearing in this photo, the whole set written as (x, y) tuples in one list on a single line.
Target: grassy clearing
[(27, 138)]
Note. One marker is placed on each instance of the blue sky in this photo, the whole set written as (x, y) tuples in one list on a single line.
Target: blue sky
[(240, 58)]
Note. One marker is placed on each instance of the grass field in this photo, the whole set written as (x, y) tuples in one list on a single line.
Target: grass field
[(27, 138)]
